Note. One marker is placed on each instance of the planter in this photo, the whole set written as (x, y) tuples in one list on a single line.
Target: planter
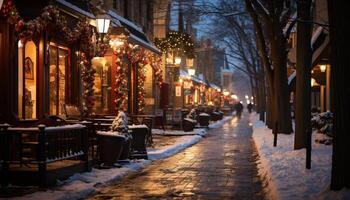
[(126, 150), (188, 124), (204, 119), (110, 147), (138, 143)]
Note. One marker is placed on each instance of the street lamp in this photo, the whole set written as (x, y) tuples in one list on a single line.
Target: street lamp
[(189, 62), (323, 68), (191, 71), (177, 60), (102, 22)]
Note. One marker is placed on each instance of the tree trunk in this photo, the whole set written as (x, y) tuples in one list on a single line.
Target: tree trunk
[(269, 108), (304, 65), (339, 33), (281, 93), (262, 97)]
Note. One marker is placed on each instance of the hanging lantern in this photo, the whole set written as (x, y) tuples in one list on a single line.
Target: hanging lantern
[(189, 62), (102, 22), (191, 72), (323, 68), (177, 60)]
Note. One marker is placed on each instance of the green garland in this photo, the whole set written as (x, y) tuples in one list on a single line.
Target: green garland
[(177, 40)]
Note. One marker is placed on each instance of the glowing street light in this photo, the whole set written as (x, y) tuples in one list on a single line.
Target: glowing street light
[(323, 68), (177, 60), (191, 71), (102, 21)]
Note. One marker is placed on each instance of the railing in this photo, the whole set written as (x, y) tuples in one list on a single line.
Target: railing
[(45, 145)]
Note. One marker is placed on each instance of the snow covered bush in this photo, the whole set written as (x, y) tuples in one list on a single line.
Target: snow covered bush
[(192, 114), (323, 123), (120, 124)]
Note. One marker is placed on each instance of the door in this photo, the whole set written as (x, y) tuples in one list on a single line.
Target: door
[(58, 68)]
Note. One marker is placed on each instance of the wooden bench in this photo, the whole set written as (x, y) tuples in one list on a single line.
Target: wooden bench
[(41, 146)]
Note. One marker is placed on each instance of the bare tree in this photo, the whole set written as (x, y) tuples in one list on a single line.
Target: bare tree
[(270, 18)]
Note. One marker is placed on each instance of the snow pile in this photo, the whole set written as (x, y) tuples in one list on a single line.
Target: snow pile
[(181, 143), (219, 123), (81, 185), (199, 131), (284, 168)]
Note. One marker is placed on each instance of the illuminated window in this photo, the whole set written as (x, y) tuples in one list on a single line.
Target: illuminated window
[(102, 84), (57, 79), (27, 66)]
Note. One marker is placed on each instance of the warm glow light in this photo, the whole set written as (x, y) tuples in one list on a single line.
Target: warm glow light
[(234, 96), (219, 90), (248, 102), (177, 60), (116, 43), (189, 62), (313, 82), (191, 72), (102, 22), (246, 96), (20, 44), (226, 93), (251, 98), (323, 68)]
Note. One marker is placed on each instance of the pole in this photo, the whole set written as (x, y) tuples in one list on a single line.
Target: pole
[(275, 134), (308, 148)]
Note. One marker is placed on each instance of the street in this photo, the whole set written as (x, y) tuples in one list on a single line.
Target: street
[(221, 166)]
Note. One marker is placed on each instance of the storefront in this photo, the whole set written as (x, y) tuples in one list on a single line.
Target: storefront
[(129, 73), (43, 55)]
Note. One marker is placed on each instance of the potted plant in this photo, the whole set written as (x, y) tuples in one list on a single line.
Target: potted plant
[(111, 143), (120, 125)]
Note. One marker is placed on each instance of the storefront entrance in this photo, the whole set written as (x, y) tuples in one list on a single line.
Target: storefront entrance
[(58, 59)]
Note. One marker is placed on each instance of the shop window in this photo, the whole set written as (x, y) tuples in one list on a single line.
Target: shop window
[(58, 60), (149, 90), (102, 84), (27, 67)]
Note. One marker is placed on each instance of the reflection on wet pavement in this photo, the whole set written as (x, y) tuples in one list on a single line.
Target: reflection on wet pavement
[(220, 166)]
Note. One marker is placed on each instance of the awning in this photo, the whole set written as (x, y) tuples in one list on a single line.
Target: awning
[(319, 44), (136, 34), (78, 6), (184, 74)]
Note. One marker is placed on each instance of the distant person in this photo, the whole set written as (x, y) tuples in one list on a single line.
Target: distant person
[(250, 107), (239, 109)]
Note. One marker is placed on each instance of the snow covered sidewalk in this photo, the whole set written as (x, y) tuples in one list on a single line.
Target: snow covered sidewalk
[(82, 184), (284, 168)]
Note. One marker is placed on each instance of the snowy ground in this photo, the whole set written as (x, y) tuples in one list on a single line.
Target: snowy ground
[(82, 184), (284, 168)]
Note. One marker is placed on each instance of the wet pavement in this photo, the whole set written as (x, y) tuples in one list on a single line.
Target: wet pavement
[(221, 166)]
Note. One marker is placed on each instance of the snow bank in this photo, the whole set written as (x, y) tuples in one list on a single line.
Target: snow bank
[(181, 143), (219, 123), (284, 168)]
